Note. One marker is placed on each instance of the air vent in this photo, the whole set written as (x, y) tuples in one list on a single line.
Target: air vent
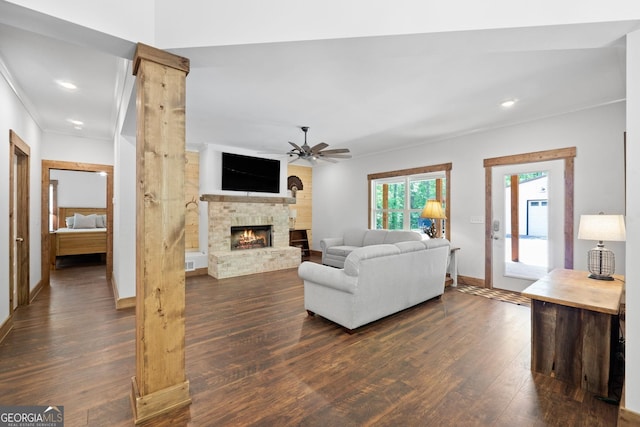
[(189, 265)]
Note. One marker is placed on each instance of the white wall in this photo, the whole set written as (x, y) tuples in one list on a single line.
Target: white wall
[(632, 370), (198, 23), (14, 116), (189, 23), (80, 189), (340, 191), (124, 218), (130, 20), (76, 149)]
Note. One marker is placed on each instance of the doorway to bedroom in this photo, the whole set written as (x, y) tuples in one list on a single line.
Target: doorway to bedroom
[(76, 197)]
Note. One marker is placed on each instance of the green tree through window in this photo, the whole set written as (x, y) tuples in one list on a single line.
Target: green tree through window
[(398, 209)]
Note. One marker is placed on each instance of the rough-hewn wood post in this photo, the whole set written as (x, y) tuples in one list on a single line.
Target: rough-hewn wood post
[(160, 383)]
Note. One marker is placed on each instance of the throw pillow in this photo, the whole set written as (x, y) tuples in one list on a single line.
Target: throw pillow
[(69, 221)]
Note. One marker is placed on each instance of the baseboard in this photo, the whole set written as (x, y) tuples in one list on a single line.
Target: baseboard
[(626, 417), (158, 403), (35, 291), (6, 327), (315, 253), (472, 281), (197, 272), (121, 303)]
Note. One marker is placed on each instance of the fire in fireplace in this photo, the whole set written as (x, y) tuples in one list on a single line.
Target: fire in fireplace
[(250, 237)]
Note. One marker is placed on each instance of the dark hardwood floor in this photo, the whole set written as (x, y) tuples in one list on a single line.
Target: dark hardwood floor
[(254, 357)]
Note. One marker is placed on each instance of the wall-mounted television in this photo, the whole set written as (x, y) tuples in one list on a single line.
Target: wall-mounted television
[(253, 174)]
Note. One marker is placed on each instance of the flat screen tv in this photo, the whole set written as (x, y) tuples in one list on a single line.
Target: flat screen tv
[(246, 173)]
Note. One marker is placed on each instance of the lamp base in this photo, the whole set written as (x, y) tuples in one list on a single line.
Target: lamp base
[(601, 263), (601, 277), (431, 230)]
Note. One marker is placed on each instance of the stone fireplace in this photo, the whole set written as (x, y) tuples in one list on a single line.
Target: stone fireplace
[(257, 214)]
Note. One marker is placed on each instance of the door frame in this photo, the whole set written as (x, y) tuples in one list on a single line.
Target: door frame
[(19, 202), (568, 155), (47, 165)]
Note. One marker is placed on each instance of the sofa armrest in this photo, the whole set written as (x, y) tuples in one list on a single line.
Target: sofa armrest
[(330, 241), (329, 277)]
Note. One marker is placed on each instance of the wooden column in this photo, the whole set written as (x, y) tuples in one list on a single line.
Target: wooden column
[(515, 218), (439, 199), (385, 206), (160, 384)]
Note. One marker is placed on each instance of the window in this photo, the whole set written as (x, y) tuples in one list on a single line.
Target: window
[(397, 198)]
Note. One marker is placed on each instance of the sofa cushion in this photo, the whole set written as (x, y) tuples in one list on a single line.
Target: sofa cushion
[(352, 263), (374, 237), (412, 246), (395, 236), (354, 237), (341, 250)]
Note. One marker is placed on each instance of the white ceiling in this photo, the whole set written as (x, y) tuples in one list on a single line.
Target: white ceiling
[(367, 94)]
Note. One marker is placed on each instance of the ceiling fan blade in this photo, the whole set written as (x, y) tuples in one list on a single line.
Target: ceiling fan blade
[(336, 151), (319, 147), (296, 146)]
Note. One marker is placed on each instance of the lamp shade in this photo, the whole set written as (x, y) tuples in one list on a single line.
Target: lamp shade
[(433, 210), (602, 227)]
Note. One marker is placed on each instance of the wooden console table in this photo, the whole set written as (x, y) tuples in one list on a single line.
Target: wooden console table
[(574, 327)]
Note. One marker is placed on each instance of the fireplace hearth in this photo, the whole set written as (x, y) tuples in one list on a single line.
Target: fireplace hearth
[(250, 237)]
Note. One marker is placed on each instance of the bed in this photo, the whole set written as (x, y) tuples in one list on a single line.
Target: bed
[(82, 240)]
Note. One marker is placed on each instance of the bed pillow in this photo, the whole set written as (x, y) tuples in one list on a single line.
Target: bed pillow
[(84, 221), (69, 221), (101, 221)]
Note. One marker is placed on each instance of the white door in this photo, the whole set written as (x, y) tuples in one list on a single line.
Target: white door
[(537, 255)]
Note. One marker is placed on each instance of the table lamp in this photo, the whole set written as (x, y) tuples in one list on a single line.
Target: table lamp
[(432, 210), (600, 260)]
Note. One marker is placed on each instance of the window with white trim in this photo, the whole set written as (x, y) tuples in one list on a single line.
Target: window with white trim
[(396, 199)]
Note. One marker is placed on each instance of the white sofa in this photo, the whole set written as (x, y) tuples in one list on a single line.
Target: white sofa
[(376, 281), (336, 249)]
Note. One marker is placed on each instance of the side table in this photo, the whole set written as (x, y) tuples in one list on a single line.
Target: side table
[(453, 265), (300, 239), (574, 327)]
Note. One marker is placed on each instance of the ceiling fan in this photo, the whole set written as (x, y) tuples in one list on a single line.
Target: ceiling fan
[(317, 152)]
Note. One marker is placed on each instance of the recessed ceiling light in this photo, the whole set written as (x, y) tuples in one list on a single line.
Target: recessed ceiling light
[(509, 103), (75, 122), (66, 84)]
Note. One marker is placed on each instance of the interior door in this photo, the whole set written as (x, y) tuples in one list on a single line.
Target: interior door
[(19, 222), (520, 259)]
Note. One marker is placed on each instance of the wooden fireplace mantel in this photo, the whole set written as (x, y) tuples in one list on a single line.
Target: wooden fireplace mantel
[(247, 199)]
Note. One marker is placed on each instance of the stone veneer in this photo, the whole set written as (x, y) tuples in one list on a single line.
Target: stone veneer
[(233, 211)]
